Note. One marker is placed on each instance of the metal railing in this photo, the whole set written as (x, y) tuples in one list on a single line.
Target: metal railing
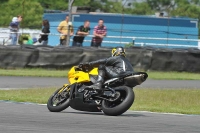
[(134, 39)]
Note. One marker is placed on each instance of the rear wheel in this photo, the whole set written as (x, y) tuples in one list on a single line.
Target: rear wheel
[(121, 105), (59, 100)]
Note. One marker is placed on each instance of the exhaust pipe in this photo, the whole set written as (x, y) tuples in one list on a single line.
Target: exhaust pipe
[(136, 79)]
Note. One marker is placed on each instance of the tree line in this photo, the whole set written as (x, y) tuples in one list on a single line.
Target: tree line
[(32, 10)]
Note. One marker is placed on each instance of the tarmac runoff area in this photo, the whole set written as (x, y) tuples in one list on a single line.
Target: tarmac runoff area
[(34, 118)]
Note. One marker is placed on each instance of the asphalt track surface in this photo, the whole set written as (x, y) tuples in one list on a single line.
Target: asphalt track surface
[(32, 118), (7, 82)]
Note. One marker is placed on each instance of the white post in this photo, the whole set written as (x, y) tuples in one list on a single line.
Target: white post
[(70, 2), (198, 44)]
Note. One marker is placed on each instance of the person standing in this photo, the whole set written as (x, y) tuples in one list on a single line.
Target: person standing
[(14, 29), (82, 31), (44, 38), (63, 29), (99, 33)]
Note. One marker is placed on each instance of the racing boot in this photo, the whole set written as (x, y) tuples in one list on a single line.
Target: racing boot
[(98, 85)]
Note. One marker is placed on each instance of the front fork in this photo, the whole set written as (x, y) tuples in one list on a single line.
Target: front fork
[(65, 87)]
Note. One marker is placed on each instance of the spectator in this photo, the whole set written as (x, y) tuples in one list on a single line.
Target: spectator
[(44, 38), (82, 31), (14, 29), (99, 33), (63, 29)]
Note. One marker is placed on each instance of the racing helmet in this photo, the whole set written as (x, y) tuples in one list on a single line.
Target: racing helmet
[(118, 51)]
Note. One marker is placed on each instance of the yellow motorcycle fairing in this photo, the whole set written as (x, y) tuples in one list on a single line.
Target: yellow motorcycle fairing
[(75, 76)]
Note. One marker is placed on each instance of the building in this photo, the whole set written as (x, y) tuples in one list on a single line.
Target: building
[(124, 29)]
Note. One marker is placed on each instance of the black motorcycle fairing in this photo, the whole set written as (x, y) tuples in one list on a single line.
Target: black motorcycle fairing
[(77, 100), (79, 104)]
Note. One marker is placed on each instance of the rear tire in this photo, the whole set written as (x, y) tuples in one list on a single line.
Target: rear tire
[(117, 108), (58, 108)]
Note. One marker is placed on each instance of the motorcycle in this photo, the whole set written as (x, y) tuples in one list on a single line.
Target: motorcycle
[(117, 98)]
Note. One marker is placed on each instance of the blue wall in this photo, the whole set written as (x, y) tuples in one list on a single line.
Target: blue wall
[(138, 26)]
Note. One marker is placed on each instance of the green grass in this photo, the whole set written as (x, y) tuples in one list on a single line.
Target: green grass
[(173, 75), (36, 95), (35, 72), (39, 72), (184, 101)]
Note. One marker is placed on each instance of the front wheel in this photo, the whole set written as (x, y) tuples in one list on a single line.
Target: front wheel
[(120, 106), (59, 100)]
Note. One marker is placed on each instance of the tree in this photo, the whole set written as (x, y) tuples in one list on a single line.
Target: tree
[(3, 1), (141, 9), (186, 9), (81, 2), (54, 5), (31, 11), (161, 5), (113, 7), (94, 5)]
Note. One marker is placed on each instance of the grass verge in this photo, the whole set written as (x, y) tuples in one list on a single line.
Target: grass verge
[(173, 75), (39, 72), (34, 72), (185, 101)]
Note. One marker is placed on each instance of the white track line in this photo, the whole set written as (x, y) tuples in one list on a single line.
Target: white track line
[(163, 113), (29, 103), (9, 88)]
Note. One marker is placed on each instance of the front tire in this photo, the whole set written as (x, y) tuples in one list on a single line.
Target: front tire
[(119, 107), (62, 99)]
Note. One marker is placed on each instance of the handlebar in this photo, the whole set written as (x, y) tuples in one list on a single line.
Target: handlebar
[(83, 67)]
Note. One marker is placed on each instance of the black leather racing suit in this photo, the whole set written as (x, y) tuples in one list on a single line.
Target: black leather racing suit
[(114, 66)]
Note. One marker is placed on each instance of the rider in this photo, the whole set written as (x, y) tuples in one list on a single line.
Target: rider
[(112, 67)]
